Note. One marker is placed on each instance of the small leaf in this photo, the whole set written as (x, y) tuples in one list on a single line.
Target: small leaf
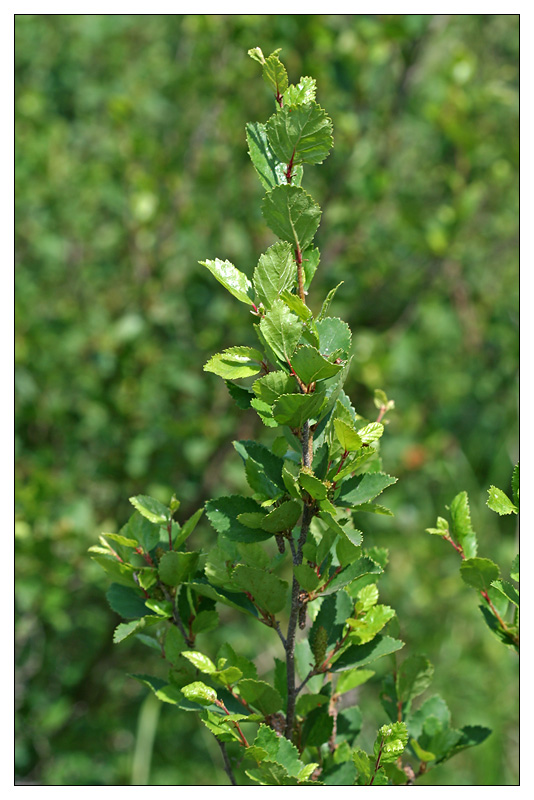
[(371, 433), (270, 171), (422, 755), (175, 567), (273, 385), (151, 509), (499, 502), (292, 215), (301, 134), (188, 527), (311, 366), (347, 436), (462, 529), (282, 330), (260, 695), (507, 590), (307, 577), (275, 75), (223, 514), (315, 488), (327, 301), (413, 677), (232, 279), (276, 271), (391, 741), (334, 334), (198, 692), (200, 661), (268, 591), (360, 654), (363, 488), (294, 409), (302, 92), (235, 362), (351, 679), (479, 572), (283, 518)]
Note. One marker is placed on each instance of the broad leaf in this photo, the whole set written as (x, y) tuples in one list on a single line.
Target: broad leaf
[(198, 692), (231, 278), (283, 518), (462, 529), (151, 509), (273, 385), (300, 135), (334, 334), (175, 567), (413, 676), (292, 215), (499, 502), (479, 572), (275, 75), (267, 590), (363, 488), (358, 655), (347, 436), (282, 330), (260, 695), (302, 92), (235, 362), (294, 409), (276, 271), (311, 366), (223, 512), (271, 172)]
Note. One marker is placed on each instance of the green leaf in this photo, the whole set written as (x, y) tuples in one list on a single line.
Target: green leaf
[(273, 385), (200, 661), (276, 271), (441, 529), (433, 706), (269, 464), (514, 572), (294, 409), (198, 692), (275, 75), (296, 305), (413, 677), (315, 488), (307, 577), (302, 92), (365, 628), (462, 529), (235, 362), (507, 590), (122, 540), (422, 755), (347, 436), (125, 601), (188, 527), (499, 502), (271, 172), (371, 433), (283, 518), (240, 394), (362, 762), (358, 655), (151, 509), (391, 741), (268, 591), (292, 215), (223, 514), (175, 567), (327, 301), (351, 679), (330, 621), (232, 279), (126, 629), (301, 134), (363, 488), (479, 572), (281, 329), (362, 566), (260, 695), (143, 531), (310, 365), (334, 334)]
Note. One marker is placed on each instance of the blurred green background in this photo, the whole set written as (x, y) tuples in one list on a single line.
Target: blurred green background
[(131, 166)]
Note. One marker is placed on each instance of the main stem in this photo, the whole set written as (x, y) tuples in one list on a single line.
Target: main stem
[(307, 515)]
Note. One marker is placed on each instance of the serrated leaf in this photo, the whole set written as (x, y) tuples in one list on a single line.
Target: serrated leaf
[(441, 529), (294, 409), (240, 394), (273, 385), (311, 366), (283, 518), (175, 567), (151, 509), (118, 539), (235, 362), (479, 572), (362, 762), (269, 464), (126, 629), (347, 436), (313, 486), (302, 92), (223, 513), (275, 75), (301, 134), (391, 741), (125, 601), (307, 577), (327, 301), (358, 655), (351, 679), (371, 433), (142, 530), (200, 661), (276, 271), (334, 334), (462, 529), (270, 171), (292, 215), (256, 54), (413, 676), (281, 329), (198, 692), (362, 566), (364, 629), (188, 527), (363, 488), (507, 590), (231, 278), (260, 695), (268, 591), (499, 502), (295, 304)]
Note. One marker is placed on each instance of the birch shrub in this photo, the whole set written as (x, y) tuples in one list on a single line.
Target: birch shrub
[(289, 553)]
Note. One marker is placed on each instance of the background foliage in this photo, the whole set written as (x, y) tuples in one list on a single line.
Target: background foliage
[(131, 165)]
